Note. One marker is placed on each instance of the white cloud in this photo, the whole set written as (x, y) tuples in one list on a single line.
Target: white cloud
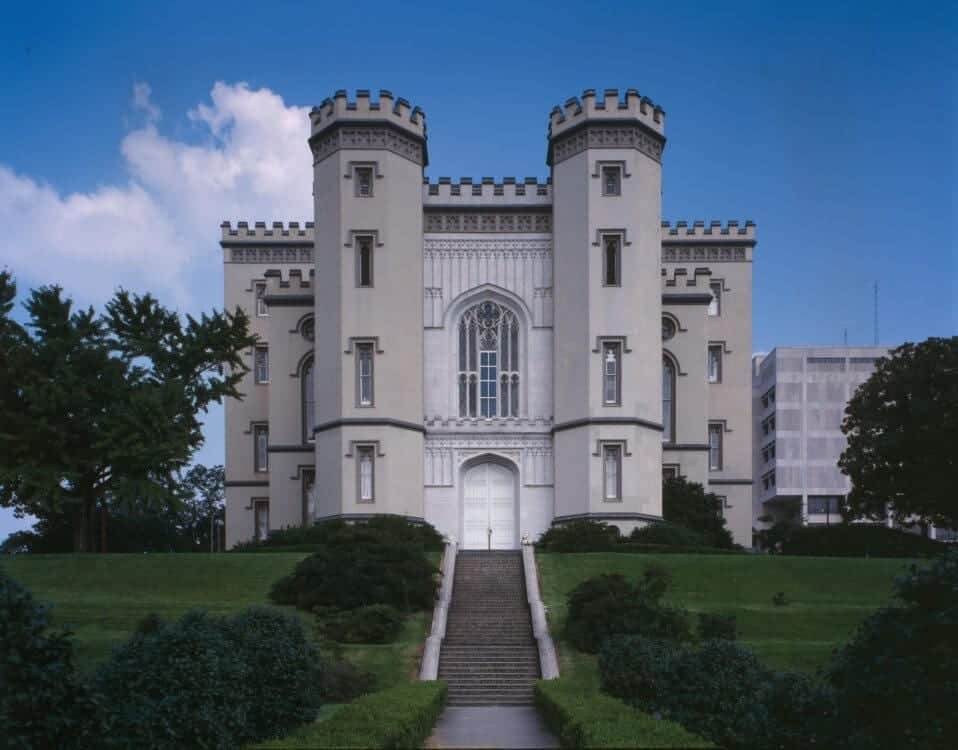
[(159, 230)]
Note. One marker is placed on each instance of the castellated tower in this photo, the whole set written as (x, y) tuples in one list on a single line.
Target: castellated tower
[(368, 160), (605, 154)]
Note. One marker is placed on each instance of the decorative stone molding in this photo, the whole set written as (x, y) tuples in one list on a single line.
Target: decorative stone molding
[(693, 253), (606, 135), (494, 221), (367, 137), (531, 452), (298, 254)]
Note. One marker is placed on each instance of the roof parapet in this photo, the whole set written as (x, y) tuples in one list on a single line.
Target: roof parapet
[(714, 230), (387, 108), (468, 190), (275, 232), (606, 106)]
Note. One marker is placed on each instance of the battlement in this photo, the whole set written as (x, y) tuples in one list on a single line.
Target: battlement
[(467, 191), (387, 108), (606, 105), (284, 281), (714, 230), (278, 232)]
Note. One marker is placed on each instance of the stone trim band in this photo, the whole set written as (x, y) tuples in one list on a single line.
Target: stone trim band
[(368, 422), (573, 423)]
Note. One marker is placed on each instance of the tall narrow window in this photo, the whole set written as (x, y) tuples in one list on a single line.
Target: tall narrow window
[(364, 373), (715, 363), (364, 261), (260, 519), (261, 364), (307, 383), (260, 447), (612, 250), (721, 505), (367, 477), (668, 401), (715, 306), (259, 293), (488, 378), (612, 461), (309, 496), (611, 181), (611, 374), (715, 446), (364, 182)]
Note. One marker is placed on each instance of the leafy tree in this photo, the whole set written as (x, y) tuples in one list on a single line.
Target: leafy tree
[(902, 429), (202, 491), (688, 504), (100, 410)]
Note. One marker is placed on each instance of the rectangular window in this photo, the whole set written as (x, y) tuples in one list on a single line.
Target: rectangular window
[(261, 364), (670, 472), (364, 261), (824, 505), (364, 182), (260, 519), (309, 496), (367, 474), (612, 461), (488, 384), (611, 181), (260, 447), (715, 363), (715, 306), (259, 292), (611, 374), (721, 505), (715, 447), (364, 373), (611, 261)]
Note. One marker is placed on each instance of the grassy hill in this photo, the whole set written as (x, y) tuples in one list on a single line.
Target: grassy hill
[(102, 598), (828, 598)]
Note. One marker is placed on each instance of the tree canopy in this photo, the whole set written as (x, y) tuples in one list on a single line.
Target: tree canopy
[(688, 504), (100, 410), (902, 431)]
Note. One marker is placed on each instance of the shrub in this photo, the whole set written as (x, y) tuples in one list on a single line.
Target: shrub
[(592, 719), (687, 504), (211, 682), (858, 540), (896, 678), (711, 690), (610, 605), (579, 536), (356, 575), (43, 703), (377, 623), (669, 534), (799, 712), (713, 626), (343, 681), (779, 599), (387, 529), (399, 717), (640, 548)]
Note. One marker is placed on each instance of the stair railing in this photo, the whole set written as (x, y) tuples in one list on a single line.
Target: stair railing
[(429, 669)]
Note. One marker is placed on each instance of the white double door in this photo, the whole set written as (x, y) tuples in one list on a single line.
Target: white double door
[(489, 508)]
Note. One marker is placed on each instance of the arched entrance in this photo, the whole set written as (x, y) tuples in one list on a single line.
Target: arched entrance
[(489, 506)]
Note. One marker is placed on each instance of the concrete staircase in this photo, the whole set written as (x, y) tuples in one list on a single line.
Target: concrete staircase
[(489, 655)]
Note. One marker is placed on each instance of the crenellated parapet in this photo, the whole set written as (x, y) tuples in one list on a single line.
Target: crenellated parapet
[(487, 191), (697, 231), (388, 122), (606, 120), (261, 232)]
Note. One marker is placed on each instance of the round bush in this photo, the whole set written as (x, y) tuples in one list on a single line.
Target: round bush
[(211, 682), (343, 681), (579, 536), (354, 575), (43, 703), (669, 534), (377, 623)]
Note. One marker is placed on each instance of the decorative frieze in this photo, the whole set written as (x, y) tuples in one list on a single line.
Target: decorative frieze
[(366, 137), (531, 453), (300, 254), (596, 135), (692, 253), (476, 222)]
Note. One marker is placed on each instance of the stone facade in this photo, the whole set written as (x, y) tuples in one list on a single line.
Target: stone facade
[(491, 357)]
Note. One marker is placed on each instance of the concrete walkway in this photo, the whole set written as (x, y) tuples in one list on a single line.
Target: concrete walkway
[(491, 726)]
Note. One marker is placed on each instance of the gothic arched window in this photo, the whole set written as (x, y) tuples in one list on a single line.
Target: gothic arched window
[(488, 362), (668, 400), (308, 397)]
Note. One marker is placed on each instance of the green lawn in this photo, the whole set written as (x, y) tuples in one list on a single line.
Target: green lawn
[(828, 598), (102, 597)]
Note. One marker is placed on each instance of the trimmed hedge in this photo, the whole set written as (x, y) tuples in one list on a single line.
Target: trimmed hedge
[(377, 623), (580, 536), (400, 717), (388, 529), (600, 721), (670, 534), (858, 540)]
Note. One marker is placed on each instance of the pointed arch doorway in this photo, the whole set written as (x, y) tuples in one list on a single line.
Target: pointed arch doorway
[(489, 505)]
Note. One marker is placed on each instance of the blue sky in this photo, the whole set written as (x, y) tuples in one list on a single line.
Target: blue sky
[(127, 135)]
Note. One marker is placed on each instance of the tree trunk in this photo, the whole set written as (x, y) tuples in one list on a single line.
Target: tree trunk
[(83, 531)]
